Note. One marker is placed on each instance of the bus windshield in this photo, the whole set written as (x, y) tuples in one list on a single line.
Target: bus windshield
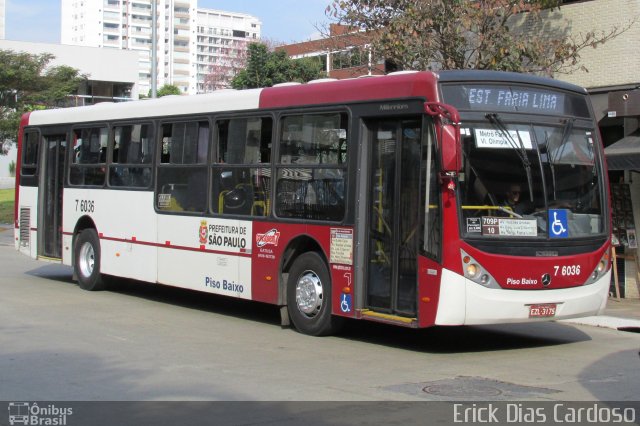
[(532, 181)]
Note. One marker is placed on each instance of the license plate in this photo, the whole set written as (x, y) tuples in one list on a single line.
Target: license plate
[(541, 311)]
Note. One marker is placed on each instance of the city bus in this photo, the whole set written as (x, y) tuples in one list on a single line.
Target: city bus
[(375, 198)]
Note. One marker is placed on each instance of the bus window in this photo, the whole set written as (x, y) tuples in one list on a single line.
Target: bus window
[(89, 156), (30, 154), (131, 156), (241, 176), (311, 175), (314, 139), (182, 172)]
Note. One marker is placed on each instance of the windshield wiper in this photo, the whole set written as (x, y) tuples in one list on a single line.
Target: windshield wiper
[(518, 146), (566, 132), (551, 164)]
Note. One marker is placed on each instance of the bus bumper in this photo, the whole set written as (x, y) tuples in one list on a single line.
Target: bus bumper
[(463, 302)]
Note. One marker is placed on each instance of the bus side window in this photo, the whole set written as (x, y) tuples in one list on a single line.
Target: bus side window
[(88, 162), (241, 178), (131, 156), (30, 143), (182, 172), (312, 169)]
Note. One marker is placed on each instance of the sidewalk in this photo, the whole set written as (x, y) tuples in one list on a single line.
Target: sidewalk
[(619, 314)]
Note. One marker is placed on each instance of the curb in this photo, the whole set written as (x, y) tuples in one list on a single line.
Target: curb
[(604, 321)]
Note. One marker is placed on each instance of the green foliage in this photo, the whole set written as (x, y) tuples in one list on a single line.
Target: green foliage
[(507, 35), (27, 83), (12, 168), (265, 68), (6, 205), (166, 90)]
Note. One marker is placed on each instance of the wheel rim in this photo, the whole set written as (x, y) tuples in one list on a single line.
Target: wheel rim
[(309, 295), (86, 259)]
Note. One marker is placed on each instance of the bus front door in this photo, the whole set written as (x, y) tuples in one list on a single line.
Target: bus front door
[(394, 215), (50, 196)]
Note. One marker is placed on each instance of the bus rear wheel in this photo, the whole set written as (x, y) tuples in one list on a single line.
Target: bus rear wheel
[(87, 261), (309, 296)]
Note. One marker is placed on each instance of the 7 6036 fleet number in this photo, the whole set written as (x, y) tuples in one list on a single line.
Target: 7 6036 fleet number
[(85, 206), (567, 270)]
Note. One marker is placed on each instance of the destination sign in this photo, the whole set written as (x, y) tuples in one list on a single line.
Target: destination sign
[(485, 97), (510, 98)]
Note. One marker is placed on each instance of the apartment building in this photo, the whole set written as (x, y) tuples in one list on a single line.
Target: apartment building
[(190, 40), (221, 45), (2, 19)]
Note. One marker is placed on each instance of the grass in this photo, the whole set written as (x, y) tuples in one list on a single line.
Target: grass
[(6, 205)]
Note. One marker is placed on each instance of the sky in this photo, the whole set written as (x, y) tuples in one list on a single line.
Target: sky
[(282, 20)]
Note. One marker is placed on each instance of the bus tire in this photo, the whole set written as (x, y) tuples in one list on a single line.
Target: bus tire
[(87, 261), (309, 296)]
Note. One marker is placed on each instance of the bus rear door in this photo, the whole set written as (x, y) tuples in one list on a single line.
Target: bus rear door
[(50, 198)]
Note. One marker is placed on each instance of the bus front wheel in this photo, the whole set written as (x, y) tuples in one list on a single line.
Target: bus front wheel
[(87, 261), (309, 296)]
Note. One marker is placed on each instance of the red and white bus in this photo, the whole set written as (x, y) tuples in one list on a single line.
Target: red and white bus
[(378, 198)]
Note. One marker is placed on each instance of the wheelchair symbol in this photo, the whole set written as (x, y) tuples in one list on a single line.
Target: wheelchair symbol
[(558, 224), (345, 304)]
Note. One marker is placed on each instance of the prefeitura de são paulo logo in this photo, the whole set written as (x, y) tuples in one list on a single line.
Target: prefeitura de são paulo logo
[(27, 413), (204, 232)]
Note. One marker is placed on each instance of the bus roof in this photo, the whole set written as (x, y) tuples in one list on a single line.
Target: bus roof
[(223, 100), (368, 88)]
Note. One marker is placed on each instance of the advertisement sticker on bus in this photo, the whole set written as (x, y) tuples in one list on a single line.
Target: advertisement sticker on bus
[(341, 246), (270, 237)]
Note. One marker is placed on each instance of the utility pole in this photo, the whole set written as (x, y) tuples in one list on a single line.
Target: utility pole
[(154, 48)]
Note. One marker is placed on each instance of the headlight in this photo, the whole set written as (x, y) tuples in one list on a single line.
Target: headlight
[(601, 268), (475, 272)]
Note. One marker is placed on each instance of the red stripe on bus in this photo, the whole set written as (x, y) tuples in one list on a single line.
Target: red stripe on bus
[(400, 86), (167, 244)]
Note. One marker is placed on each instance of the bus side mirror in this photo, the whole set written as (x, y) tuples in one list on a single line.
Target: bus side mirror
[(450, 148), (448, 135)]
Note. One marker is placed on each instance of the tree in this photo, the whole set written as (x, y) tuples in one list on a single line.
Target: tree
[(166, 90), (27, 83), (507, 35), (266, 68), (227, 67)]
